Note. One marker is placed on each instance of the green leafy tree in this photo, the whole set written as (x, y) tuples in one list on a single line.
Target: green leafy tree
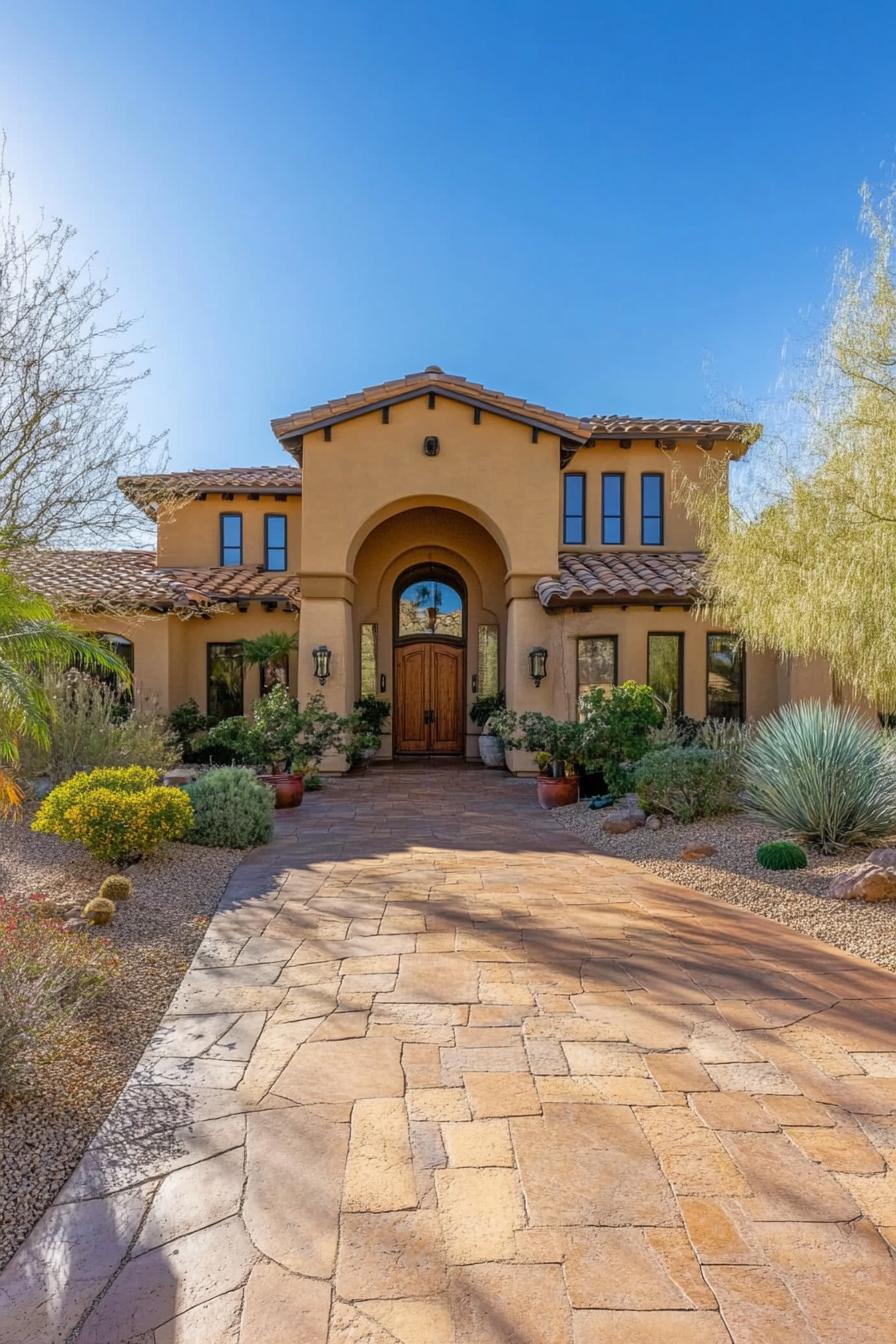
[(809, 569), (33, 640)]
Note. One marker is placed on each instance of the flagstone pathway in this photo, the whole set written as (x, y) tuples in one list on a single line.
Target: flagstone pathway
[(440, 1075)]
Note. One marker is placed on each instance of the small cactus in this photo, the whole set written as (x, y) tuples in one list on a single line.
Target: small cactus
[(780, 855), (99, 910), (116, 888)]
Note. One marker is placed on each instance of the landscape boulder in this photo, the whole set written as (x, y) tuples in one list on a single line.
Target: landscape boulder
[(625, 816), (866, 882)]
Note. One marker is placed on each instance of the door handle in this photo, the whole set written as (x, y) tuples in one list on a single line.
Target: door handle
[(429, 716)]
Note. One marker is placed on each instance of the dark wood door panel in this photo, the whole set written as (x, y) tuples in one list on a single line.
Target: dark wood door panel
[(412, 697), (429, 710), (446, 727)]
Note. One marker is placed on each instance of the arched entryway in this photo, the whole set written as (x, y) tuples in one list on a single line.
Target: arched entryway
[(429, 625)]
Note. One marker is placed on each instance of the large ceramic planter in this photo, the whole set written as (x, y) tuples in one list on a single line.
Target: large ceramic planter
[(491, 751), (288, 789), (559, 792)]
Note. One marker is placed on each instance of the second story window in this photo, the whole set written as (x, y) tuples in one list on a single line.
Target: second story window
[(231, 538), (275, 541), (574, 509), (652, 508), (612, 491)]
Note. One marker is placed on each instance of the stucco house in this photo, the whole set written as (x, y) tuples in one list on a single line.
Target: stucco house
[(430, 540)]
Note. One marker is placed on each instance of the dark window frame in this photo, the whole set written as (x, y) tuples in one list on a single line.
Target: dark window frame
[(670, 634), (268, 517), (223, 643), (567, 516), (579, 640), (221, 546), (605, 476), (661, 517), (742, 706)]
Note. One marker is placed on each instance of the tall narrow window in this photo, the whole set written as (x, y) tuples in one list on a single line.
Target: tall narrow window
[(275, 541), (231, 538), (574, 508), (368, 659), (612, 508), (224, 692), (665, 662), (597, 661), (652, 508), (724, 677), (487, 664)]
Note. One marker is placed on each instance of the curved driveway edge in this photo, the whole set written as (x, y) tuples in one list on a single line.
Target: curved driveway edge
[(439, 1074)]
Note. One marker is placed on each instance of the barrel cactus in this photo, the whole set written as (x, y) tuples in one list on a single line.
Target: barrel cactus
[(99, 910), (780, 855), (117, 887)]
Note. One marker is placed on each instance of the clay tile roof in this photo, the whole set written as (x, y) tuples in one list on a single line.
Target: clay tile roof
[(105, 580), (146, 491), (634, 427), (431, 379), (616, 576)]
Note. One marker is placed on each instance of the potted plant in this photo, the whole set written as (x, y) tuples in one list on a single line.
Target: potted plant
[(484, 711), (558, 749), (365, 725), (277, 720), (319, 731)]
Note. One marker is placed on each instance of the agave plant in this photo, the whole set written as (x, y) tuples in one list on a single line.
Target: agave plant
[(822, 773)]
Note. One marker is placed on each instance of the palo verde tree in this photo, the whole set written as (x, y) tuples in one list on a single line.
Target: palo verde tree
[(810, 569), (67, 366)]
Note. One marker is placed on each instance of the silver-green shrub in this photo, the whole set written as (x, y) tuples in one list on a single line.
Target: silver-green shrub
[(232, 809), (822, 773)]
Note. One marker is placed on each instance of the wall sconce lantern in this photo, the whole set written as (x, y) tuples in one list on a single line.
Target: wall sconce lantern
[(321, 656), (538, 664)]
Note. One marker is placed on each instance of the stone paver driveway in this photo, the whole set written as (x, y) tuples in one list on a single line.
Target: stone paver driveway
[(441, 1076)]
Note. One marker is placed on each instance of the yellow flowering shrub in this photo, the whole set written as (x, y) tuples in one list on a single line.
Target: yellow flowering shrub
[(119, 814)]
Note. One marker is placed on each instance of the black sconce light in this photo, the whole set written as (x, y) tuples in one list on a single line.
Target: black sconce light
[(538, 664), (321, 656)]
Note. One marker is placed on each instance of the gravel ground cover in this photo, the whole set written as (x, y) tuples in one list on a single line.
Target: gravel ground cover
[(797, 898), (44, 1129)]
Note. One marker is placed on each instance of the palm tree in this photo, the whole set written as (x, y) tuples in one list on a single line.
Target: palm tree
[(269, 652), (33, 639)]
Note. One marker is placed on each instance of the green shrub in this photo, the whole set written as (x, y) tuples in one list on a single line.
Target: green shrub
[(685, 782), (118, 814), (47, 974), (822, 773), (93, 727), (234, 741), (186, 722), (115, 888), (231, 808), (484, 706), (780, 855), (616, 728), (374, 713), (276, 717)]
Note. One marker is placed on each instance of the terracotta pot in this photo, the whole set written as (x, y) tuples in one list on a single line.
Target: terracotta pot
[(560, 792), (491, 751), (288, 789)]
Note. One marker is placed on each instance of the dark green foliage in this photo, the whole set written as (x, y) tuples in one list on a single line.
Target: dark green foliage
[(781, 854), (685, 782), (484, 706), (186, 722), (688, 729), (233, 741), (372, 713), (276, 717), (616, 730), (232, 809)]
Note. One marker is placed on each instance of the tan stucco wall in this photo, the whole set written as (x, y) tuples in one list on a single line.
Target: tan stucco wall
[(191, 535), (170, 653), (684, 464)]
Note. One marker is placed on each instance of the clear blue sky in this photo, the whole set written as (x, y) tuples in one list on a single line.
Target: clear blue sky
[(607, 207)]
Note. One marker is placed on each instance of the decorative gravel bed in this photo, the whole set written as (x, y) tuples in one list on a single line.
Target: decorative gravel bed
[(45, 1129), (797, 898)]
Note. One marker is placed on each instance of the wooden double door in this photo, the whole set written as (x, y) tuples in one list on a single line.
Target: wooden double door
[(429, 699)]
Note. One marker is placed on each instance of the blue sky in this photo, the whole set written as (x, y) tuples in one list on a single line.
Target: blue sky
[(607, 207)]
